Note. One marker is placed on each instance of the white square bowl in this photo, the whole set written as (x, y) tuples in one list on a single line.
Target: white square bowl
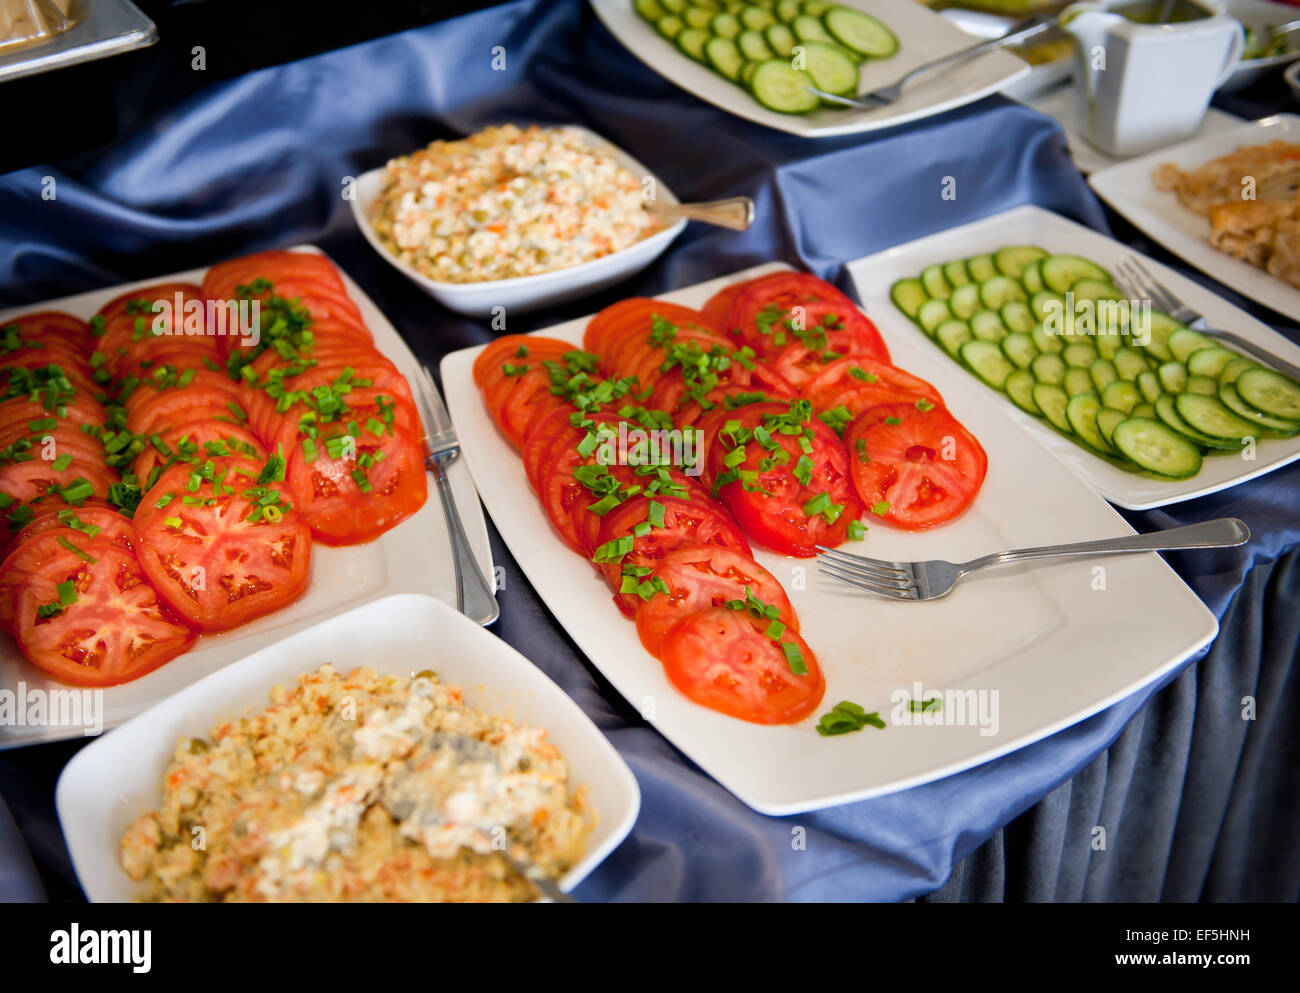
[(525, 293), (114, 780)]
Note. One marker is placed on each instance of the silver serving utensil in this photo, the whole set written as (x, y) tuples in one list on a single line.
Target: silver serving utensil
[(885, 95), (934, 579), (736, 213), (550, 889), (1133, 278), (474, 596)]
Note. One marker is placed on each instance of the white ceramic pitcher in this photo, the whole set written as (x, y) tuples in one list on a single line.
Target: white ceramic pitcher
[(1143, 86)]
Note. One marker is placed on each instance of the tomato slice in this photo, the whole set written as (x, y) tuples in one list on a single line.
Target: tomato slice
[(789, 505), (859, 382), (649, 480), (717, 309), (25, 481), (524, 401), (914, 468), (212, 564), (724, 660), (624, 332), (776, 310), (52, 327), (54, 512), (703, 576), (151, 408), (514, 350), (128, 323), (689, 521), (221, 280), (195, 442), (116, 630)]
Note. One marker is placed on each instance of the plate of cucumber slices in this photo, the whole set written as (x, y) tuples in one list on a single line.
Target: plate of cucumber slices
[(760, 59), (1148, 411)]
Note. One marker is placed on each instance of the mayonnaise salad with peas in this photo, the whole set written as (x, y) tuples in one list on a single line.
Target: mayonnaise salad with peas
[(508, 202)]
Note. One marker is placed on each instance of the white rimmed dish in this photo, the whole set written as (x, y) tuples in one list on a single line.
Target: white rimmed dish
[(873, 276), (413, 557), (524, 293), (119, 777), (1054, 649), (923, 36), (1258, 14), (1129, 189)]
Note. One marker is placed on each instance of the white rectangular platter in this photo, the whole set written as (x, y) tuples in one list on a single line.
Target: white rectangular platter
[(1045, 646), (923, 36), (414, 557), (1129, 189), (874, 274)]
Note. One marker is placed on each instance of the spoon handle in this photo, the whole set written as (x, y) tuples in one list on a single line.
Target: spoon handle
[(736, 213)]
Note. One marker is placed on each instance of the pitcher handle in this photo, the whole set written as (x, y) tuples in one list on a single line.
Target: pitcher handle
[(1234, 54)]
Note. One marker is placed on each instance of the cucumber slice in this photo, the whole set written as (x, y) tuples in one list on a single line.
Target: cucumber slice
[(956, 274), (747, 73), (1019, 348), (1047, 342), (725, 25), (831, 69), (996, 291), (1270, 393), (1103, 374), (650, 10), (1011, 261), (697, 17), (674, 6), (1152, 330), (987, 326), (1204, 385), (1108, 343), (1184, 342), (1209, 361), (987, 362), (1020, 388), (860, 32), (692, 42), (788, 10), (1149, 385), (935, 283), (1129, 363), (1111, 315), (725, 58), (1077, 381), (816, 7), (1079, 355), (1145, 409), (932, 314), (1045, 304), (1031, 278), (1121, 395), (1232, 400), (1060, 272), (1210, 417), (756, 18), (1095, 289), (1235, 368), (951, 335), (1048, 369), (965, 300), (908, 295), (1017, 316), (1167, 412), (670, 26), (1153, 446), (1173, 377), (981, 267), (1082, 412), (779, 86), (807, 28), (1108, 419), (754, 46), (1052, 401), (781, 39)]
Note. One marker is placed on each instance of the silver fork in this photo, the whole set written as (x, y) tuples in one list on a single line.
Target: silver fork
[(934, 579), (885, 95), (1136, 281), (474, 596)]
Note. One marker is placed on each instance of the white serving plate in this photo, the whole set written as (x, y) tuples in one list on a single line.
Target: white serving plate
[(923, 36), (110, 783), (1055, 650), (1258, 14), (413, 557), (524, 293), (1129, 189), (874, 275)]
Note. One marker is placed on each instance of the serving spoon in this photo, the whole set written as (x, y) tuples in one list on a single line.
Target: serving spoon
[(736, 213)]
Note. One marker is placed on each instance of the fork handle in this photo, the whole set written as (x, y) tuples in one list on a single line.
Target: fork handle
[(1018, 32), (1263, 354), (1224, 532), (474, 596)]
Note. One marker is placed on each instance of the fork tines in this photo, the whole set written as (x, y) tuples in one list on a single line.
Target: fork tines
[(890, 579), (1133, 272)]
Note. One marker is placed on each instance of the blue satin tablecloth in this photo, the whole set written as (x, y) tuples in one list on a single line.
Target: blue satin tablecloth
[(1197, 802)]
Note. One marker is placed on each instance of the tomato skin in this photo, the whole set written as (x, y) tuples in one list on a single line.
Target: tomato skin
[(150, 410), (717, 309), (25, 481), (503, 350), (527, 403), (907, 467), (116, 631), (703, 576), (723, 660), (780, 293), (46, 517), (859, 382)]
